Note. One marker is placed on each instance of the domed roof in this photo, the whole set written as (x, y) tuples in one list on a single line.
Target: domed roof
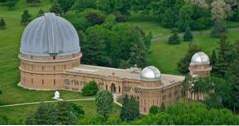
[(200, 58), (49, 34), (150, 73)]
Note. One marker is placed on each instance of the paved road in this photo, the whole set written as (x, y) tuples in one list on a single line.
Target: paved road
[(34, 103)]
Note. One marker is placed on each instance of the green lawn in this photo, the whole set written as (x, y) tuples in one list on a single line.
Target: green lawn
[(166, 56)]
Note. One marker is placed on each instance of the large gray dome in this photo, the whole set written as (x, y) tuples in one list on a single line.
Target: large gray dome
[(49, 34)]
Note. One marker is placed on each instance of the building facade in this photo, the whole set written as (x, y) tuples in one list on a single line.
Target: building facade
[(50, 60)]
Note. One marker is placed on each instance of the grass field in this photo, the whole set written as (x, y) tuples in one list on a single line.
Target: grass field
[(164, 56)]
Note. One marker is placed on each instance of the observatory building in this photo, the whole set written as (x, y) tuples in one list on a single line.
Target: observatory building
[(50, 58)]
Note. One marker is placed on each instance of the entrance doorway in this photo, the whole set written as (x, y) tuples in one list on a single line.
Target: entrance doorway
[(113, 88)]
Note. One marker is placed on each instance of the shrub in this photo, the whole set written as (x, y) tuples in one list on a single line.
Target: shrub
[(90, 89), (26, 17), (2, 23), (174, 38), (154, 109), (188, 36)]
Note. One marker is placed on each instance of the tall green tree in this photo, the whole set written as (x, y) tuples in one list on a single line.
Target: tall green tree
[(40, 13), (80, 5), (104, 103), (233, 75), (174, 38), (103, 38), (131, 47), (218, 29), (65, 114), (213, 58), (183, 64), (188, 36), (11, 3), (2, 23), (26, 17), (130, 109), (62, 113), (65, 5), (224, 57), (56, 8), (4, 120), (45, 114), (185, 17)]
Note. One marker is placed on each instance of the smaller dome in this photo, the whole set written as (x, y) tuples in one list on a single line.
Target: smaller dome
[(200, 58), (150, 73)]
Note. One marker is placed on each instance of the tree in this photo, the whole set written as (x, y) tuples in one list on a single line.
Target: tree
[(45, 114), (40, 13), (220, 11), (2, 23), (110, 21), (11, 3), (130, 109), (188, 36), (183, 64), (190, 113), (104, 103), (185, 17), (103, 38), (120, 46), (224, 57), (174, 38), (81, 5), (65, 5), (233, 75), (26, 17), (213, 59), (154, 109), (63, 113), (56, 8), (90, 89), (35, 2), (218, 29), (3, 120), (131, 47), (94, 16)]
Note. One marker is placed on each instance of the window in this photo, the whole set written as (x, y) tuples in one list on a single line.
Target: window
[(164, 97), (54, 82), (106, 87), (42, 82), (43, 68)]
